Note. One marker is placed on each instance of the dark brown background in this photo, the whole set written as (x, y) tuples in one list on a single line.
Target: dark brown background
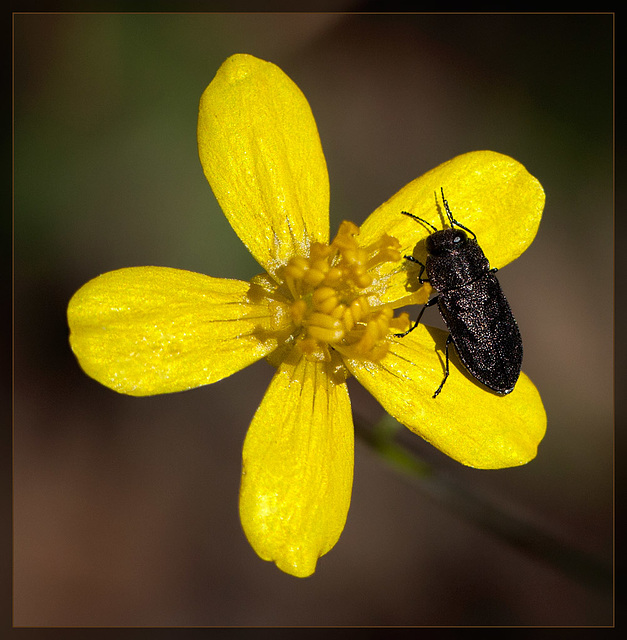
[(125, 509)]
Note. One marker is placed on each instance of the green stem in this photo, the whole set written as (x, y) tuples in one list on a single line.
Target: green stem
[(508, 525)]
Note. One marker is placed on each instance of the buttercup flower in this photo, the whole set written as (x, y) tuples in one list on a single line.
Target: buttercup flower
[(320, 312)]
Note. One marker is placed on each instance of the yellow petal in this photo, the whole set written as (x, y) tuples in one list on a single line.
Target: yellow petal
[(466, 421), (260, 150), (298, 468), (149, 330), (490, 193)]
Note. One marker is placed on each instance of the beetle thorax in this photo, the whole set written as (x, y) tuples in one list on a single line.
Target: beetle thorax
[(454, 260)]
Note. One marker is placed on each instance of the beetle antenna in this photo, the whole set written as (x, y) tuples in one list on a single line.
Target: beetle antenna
[(411, 215), (452, 220)]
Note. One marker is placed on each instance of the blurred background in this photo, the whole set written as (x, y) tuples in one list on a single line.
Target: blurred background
[(125, 509)]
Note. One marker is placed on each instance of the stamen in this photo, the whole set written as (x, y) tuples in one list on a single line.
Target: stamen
[(329, 308)]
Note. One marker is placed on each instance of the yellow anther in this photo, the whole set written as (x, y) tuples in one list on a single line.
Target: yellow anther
[(334, 276), (319, 254), (382, 326), (314, 277), (325, 334), (368, 338), (362, 279), (350, 256), (344, 238), (359, 308), (400, 324), (349, 319), (325, 299), (324, 321), (323, 293), (297, 266), (339, 312), (321, 264), (390, 255), (362, 257), (385, 255), (298, 311), (386, 249), (325, 328), (330, 305), (348, 228)]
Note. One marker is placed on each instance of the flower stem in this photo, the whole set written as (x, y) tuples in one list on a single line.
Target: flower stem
[(506, 523)]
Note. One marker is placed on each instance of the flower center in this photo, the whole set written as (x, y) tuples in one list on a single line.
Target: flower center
[(329, 305)]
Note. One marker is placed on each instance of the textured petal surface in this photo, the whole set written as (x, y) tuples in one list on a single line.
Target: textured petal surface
[(467, 422), (298, 468), (260, 150), (149, 330), (490, 193)]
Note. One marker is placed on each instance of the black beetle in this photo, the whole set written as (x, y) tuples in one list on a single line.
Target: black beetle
[(472, 304)]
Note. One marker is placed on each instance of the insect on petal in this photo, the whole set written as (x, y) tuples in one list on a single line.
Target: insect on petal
[(475, 427), (493, 194)]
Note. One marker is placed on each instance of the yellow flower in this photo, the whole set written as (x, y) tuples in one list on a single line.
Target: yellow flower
[(321, 311)]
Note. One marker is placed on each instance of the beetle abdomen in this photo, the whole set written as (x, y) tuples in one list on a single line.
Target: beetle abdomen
[(484, 332)]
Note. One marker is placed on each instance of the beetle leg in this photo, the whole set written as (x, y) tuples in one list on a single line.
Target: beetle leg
[(422, 268), (430, 303), (448, 341)]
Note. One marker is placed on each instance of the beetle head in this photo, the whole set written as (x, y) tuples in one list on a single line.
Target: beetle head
[(446, 241)]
